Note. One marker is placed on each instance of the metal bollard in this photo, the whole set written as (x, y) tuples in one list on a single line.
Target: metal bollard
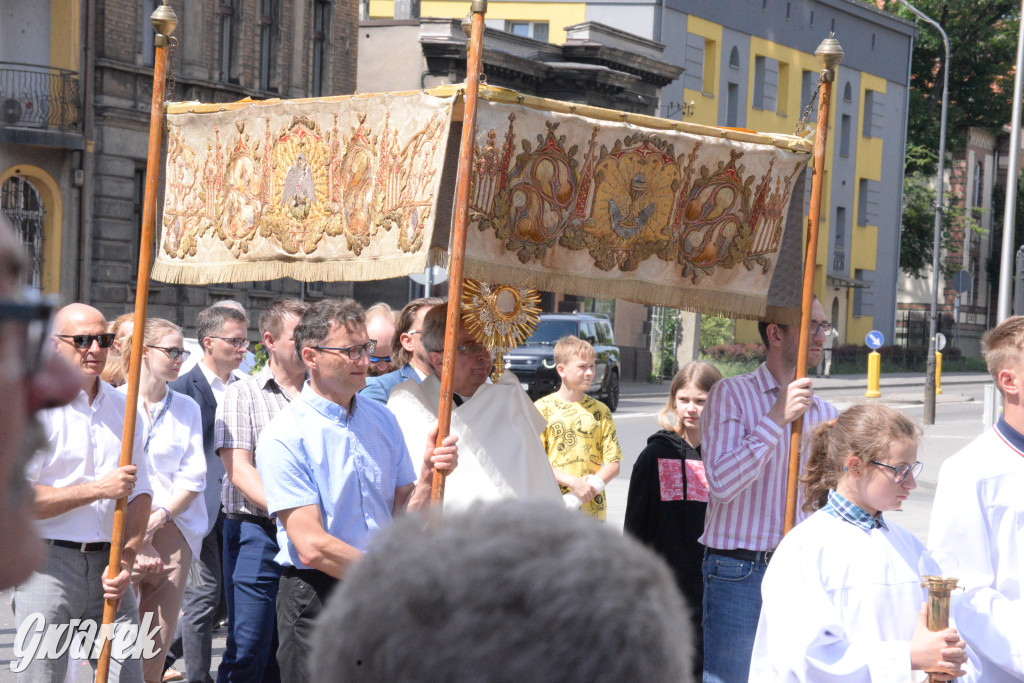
[(874, 372)]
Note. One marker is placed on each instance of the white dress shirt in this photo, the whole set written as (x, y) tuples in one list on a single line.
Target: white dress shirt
[(177, 462), (217, 385), (83, 444)]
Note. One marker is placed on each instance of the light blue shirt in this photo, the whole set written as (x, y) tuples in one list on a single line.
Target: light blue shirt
[(348, 464)]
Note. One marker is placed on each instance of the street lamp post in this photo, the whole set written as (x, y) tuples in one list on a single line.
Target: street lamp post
[(929, 380), (1009, 209)]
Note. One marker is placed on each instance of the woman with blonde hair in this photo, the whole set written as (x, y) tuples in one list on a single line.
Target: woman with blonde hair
[(177, 471), (668, 490), (114, 372), (842, 594)]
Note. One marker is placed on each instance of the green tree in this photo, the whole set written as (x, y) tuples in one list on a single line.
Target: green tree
[(715, 331), (983, 41)]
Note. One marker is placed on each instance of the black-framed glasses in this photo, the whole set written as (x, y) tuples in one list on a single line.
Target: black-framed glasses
[(35, 319), (472, 349), (354, 352), (380, 359), (85, 341), (900, 473), (825, 327), (173, 352), (237, 342)]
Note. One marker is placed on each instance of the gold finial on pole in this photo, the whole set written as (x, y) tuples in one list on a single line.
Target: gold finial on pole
[(829, 54), (164, 22)]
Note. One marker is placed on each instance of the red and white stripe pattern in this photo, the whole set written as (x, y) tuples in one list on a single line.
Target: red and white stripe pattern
[(746, 455)]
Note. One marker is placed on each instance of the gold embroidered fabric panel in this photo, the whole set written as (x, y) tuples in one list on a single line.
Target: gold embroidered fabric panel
[(331, 189), (599, 208)]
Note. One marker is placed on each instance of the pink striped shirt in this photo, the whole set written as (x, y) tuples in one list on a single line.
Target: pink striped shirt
[(745, 456)]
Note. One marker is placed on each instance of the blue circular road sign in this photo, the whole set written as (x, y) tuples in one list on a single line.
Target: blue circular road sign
[(874, 339)]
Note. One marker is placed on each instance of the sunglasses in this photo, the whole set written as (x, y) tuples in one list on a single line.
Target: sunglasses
[(353, 352), (85, 341), (172, 352), (30, 322), (380, 359)]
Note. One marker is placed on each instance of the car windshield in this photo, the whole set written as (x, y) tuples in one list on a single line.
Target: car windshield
[(550, 331)]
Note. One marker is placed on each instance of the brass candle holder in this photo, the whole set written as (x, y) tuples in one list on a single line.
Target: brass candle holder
[(940, 588)]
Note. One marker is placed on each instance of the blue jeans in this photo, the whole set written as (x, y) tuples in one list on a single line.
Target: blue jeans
[(732, 607), (250, 581)]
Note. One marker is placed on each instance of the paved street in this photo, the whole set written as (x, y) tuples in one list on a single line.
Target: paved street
[(958, 416)]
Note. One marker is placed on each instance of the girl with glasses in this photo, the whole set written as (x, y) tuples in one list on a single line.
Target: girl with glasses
[(842, 594), (177, 470)]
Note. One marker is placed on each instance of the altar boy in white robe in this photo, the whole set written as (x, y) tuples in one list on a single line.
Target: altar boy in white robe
[(843, 600), (500, 451), (978, 519)]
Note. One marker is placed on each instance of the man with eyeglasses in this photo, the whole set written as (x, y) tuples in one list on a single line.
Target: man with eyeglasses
[(222, 331), (977, 524), (77, 479), (407, 352), (745, 429), (335, 470), (499, 428), (251, 575)]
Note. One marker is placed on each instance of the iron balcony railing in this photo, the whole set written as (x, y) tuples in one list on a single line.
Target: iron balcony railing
[(33, 96)]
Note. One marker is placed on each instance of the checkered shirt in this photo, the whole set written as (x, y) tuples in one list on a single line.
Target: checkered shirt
[(248, 406), (841, 508)]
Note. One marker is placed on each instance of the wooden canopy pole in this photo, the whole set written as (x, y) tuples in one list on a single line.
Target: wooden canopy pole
[(474, 63), (829, 54), (164, 22)]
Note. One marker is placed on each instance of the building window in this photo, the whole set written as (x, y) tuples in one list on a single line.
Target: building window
[(812, 18), (848, 93), (693, 74), (782, 92), (538, 30), (864, 296), (228, 19), (321, 29), (766, 83), (844, 136), (268, 44), (788, 16), (734, 58), (874, 102), (732, 105), (867, 202), (22, 205), (808, 82), (839, 245), (148, 49)]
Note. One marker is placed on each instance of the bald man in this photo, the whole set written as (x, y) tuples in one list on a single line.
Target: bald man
[(77, 479)]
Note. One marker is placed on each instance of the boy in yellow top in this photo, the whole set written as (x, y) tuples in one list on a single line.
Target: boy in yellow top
[(580, 438)]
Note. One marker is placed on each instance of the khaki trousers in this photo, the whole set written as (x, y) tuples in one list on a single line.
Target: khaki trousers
[(161, 593)]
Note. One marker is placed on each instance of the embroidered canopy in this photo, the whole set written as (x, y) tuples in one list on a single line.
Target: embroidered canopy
[(564, 198)]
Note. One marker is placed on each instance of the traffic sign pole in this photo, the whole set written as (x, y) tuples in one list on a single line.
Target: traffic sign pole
[(874, 339)]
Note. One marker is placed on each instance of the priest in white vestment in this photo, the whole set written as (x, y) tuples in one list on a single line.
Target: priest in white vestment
[(977, 524), (500, 451)]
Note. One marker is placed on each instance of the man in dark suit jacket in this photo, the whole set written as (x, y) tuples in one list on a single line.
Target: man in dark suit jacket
[(222, 331), (407, 351)]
